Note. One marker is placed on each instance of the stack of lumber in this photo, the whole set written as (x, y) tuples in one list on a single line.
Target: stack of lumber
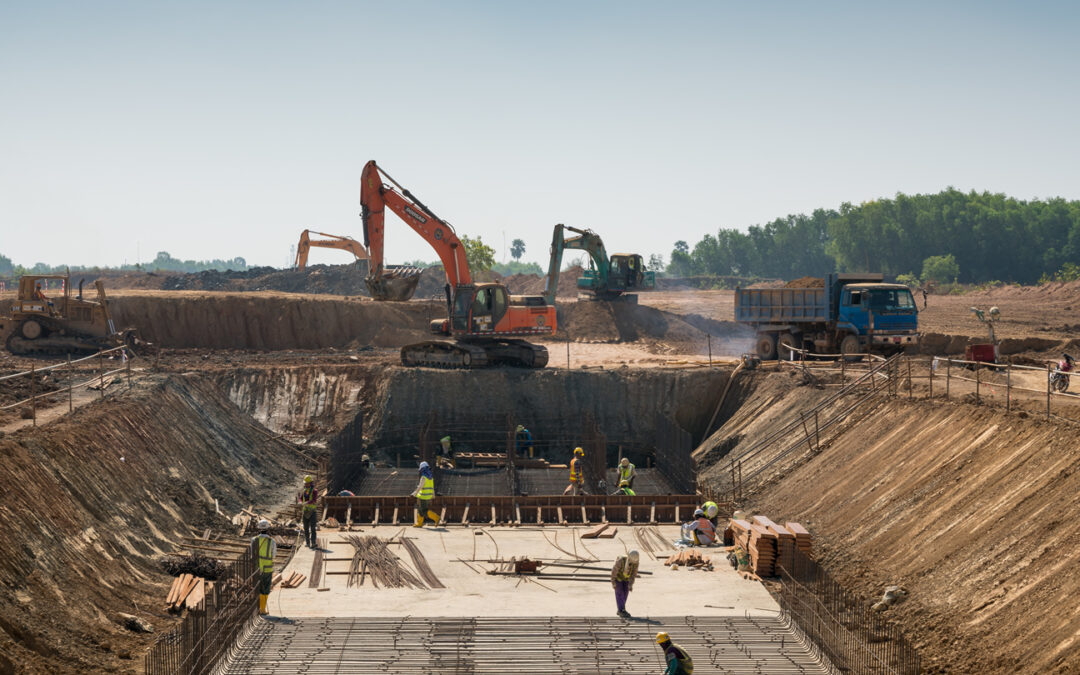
[(595, 532), (292, 580), (759, 543), (785, 542), (689, 558), (803, 541), (186, 591)]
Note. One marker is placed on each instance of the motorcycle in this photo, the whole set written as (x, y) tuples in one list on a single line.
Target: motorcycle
[(1059, 379)]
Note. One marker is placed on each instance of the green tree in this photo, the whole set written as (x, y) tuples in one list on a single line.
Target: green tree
[(517, 249), (940, 268), (6, 267), (480, 256), (681, 262)]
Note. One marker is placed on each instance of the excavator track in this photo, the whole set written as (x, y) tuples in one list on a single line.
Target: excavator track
[(473, 355)]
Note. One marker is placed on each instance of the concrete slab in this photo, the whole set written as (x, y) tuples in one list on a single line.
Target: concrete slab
[(470, 592)]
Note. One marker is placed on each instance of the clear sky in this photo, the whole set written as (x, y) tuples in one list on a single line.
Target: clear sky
[(221, 129)]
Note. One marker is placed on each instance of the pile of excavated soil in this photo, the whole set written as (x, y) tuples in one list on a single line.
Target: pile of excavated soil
[(806, 282), (970, 509), (533, 284), (89, 502)]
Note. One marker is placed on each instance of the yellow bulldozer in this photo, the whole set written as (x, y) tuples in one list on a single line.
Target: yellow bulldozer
[(40, 323)]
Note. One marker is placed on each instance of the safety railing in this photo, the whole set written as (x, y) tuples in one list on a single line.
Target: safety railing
[(207, 634), (855, 638), (72, 373)]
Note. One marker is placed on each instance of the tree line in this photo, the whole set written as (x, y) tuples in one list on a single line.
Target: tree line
[(163, 262), (989, 237)]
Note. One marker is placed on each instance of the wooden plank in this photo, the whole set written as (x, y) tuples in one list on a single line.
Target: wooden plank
[(493, 513), (539, 517), (629, 514), (562, 521), (442, 515), (603, 514), (348, 516), (517, 513), (197, 595), (375, 520), (594, 532), (465, 516), (677, 513), (393, 521), (174, 590), (652, 514), (185, 591), (584, 516), (608, 534)]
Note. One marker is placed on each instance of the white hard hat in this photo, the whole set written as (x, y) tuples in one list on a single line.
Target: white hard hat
[(633, 556), (624, 461), (264, 524)]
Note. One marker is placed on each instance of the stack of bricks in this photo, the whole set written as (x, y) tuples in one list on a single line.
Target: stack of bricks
[(785, 542), (803, 541)]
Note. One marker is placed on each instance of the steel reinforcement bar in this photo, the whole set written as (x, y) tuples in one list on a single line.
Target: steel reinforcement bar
[(521, 510)]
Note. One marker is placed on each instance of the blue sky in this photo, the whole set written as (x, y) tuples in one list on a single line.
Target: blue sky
[(218, 129)]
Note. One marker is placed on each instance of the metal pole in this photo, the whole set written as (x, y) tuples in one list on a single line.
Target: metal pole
[(568, 350), (977, 378), (933, 362), (1048, 391), (71, 379), (948, 376), (1008, 387), (101, 374), (910, 384), (128, 362), (33, 397), (710, 349)]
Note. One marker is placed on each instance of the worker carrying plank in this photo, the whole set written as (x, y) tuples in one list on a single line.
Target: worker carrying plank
[(577, 477), (263, 549), (700, 530), (623, 574), (677, 659), (309, 498), (425, 493), (523, 441), (626, 472)]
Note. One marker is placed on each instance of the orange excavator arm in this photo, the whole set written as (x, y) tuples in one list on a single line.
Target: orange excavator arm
[(332, 241), (376, 197)]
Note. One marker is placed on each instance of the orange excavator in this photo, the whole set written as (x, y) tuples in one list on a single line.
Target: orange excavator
[(487, 324), (332, 241)]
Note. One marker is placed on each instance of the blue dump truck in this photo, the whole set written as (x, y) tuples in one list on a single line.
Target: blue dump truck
[(846, 314)]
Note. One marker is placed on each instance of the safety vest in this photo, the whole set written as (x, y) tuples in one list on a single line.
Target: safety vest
[(624, 474), (686, 664), (427, 490), (575, 472), (626, 570), (309, 497), (627, 491), (266, 560), (706, 531)]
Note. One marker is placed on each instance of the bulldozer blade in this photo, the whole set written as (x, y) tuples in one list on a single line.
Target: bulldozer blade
[(392, 287)]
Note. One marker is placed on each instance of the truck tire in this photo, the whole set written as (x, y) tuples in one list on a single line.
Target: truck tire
[(765, 346), (787, 340), (849, 348)]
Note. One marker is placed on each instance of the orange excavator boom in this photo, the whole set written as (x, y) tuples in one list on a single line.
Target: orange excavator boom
[(332, 241)]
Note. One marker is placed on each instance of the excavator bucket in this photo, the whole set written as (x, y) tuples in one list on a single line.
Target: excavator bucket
[(395, 284)]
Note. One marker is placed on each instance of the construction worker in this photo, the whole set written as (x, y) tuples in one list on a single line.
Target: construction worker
[(577, 476), (263, 549), (365, 463), (626, 472), (424, 493), (623, 574), (309, 497), (524, 440), (678, 661), (624, 489), (700, 530), (711, 511)]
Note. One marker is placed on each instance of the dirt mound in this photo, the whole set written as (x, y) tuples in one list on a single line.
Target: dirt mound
[(533, 284), (806, 282), (81, 535)]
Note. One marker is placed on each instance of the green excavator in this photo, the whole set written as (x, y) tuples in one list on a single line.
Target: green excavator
[(607, 278)]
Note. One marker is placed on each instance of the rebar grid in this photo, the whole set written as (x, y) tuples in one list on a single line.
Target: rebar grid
[(733, 644)]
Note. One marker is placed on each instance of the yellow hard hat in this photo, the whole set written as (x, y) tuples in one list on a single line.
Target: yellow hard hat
[(624, 483), (662, 637), (579, 451), (521, 427), (308, 479)]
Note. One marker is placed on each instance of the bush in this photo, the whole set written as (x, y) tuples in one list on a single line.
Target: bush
[(941, 269), (908, 280)]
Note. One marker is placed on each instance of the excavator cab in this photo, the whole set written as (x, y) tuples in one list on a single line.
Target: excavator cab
[(476, 309)]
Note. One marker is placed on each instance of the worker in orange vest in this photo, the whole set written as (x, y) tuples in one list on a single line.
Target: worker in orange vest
[(577, 477)]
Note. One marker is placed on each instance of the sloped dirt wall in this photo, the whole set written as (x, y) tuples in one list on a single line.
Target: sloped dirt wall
[(86, 503)]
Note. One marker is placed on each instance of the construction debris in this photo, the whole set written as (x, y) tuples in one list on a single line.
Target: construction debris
[(195, 564), (187, 591), (372, 556), (293, 580), (134, 623)]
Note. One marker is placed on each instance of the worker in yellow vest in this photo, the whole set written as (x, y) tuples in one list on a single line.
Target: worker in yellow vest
[(677, 660), (577, 476), (263, 549), (425, 493), (623, 575), (626, 472)]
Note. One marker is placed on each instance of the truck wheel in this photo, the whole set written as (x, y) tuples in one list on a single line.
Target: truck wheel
[(766, 346), (787, 340), (849, 348)]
